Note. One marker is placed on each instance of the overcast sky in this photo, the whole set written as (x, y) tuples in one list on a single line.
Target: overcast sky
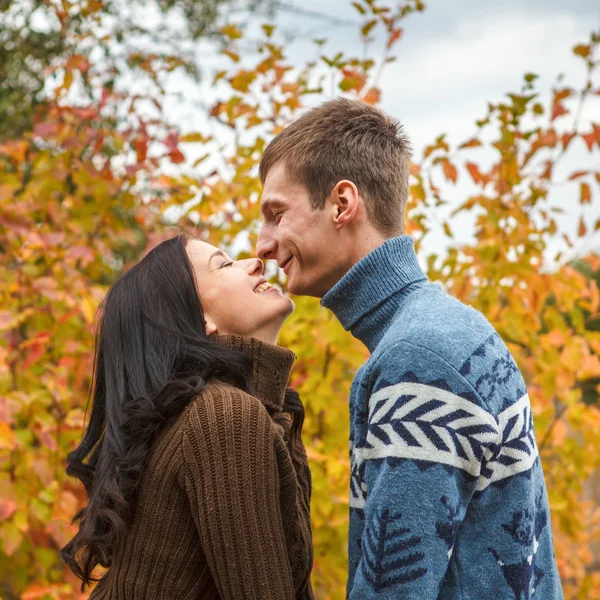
[(452, 59)]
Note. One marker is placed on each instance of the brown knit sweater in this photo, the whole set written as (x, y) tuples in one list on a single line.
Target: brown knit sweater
[(223, 509)]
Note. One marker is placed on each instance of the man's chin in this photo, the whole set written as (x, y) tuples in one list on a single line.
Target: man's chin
[(298, 288)]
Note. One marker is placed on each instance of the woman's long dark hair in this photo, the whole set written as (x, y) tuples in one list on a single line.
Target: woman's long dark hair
[(152, 356)]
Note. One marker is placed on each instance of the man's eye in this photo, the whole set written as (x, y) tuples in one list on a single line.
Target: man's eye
[(277, 216)]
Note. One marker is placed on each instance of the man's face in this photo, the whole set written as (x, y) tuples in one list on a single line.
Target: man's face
[(300, 239)]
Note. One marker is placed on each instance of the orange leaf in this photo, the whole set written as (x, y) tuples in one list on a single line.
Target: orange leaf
[(585, 195), (472, 143), (582, 228), (558, 109), (566, 139), (372, 96), (394, 36), (577, 175), (474, 172), (450, 171), (7, 437), (590, 140), (582, 50)]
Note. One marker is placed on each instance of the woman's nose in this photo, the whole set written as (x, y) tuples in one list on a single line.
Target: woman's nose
[(255, 266)]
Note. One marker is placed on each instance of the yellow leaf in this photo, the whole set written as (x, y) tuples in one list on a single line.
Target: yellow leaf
[(233, 32), (7, 437), (88, 309)]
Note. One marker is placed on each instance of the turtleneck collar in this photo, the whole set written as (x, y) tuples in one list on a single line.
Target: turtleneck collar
[(271, 367), (369, 295)]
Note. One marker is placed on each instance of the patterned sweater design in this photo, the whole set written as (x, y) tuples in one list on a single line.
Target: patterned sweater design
[(447, 494)]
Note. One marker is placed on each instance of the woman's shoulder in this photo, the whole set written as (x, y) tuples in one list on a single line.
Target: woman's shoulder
[(221, 405)]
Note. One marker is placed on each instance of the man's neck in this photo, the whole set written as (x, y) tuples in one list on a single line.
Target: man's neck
[(369, 295)]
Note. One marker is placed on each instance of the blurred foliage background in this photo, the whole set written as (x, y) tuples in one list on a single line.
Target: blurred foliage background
[(94, 172)]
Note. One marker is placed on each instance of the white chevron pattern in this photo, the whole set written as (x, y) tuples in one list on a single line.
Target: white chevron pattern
[(435, 425), (518, 444)]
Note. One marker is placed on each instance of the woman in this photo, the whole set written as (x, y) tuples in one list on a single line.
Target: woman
[(197, 481)]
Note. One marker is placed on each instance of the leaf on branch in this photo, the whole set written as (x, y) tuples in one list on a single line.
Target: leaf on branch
[(7, 509), (475, 173), (268, 29), (353, 80), (577, 175), (450, 171), (231, 31), (78, 62), (7, 437), (582, 50), (242, 80), (359, 8), (582, 229), (189, 138), (558, 109), (394, 37), (234, 56), (593, 137), (566, 139), (472, 143), (372, 96), (585, 194), (367, 27)]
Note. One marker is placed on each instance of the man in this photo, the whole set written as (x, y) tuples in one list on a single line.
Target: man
[(447, 496)]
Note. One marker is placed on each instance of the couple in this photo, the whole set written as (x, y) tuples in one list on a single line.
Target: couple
[(197, 478)]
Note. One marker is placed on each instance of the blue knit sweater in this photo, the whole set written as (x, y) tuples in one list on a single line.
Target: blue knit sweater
[(447, 495)]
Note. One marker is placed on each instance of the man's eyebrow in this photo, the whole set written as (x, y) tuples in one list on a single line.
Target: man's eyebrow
[(269, 204)]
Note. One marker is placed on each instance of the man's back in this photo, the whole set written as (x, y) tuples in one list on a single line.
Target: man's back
[(447, 493)]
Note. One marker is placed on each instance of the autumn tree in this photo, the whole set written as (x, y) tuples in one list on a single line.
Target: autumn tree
[(97, 180)]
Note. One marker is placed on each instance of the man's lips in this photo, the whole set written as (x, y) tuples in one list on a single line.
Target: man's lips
[(286, 265)]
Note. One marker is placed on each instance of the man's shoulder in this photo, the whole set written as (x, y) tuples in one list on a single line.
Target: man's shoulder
[(437, 340), (435, 321)]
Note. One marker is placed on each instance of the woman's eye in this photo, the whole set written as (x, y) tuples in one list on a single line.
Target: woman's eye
[(226, 264)]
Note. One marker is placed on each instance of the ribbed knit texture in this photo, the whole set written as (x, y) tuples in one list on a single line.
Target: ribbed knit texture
[(223, 509), (447, 493)]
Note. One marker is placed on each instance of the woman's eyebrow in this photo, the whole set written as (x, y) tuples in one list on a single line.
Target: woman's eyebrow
[(217, 253)]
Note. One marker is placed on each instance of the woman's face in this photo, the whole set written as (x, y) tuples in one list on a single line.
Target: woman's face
[(235, 294)]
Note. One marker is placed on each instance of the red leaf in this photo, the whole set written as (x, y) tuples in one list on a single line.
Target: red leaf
[(558, 109), (566, 139), (7, 509), (171, 141), (176, 157), (394, 36), (141, 148)]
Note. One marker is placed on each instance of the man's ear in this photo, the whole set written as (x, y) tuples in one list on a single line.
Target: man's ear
[(211, 328), (346, 199)]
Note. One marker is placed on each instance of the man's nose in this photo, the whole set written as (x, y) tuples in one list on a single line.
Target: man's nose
[(265, 245)]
